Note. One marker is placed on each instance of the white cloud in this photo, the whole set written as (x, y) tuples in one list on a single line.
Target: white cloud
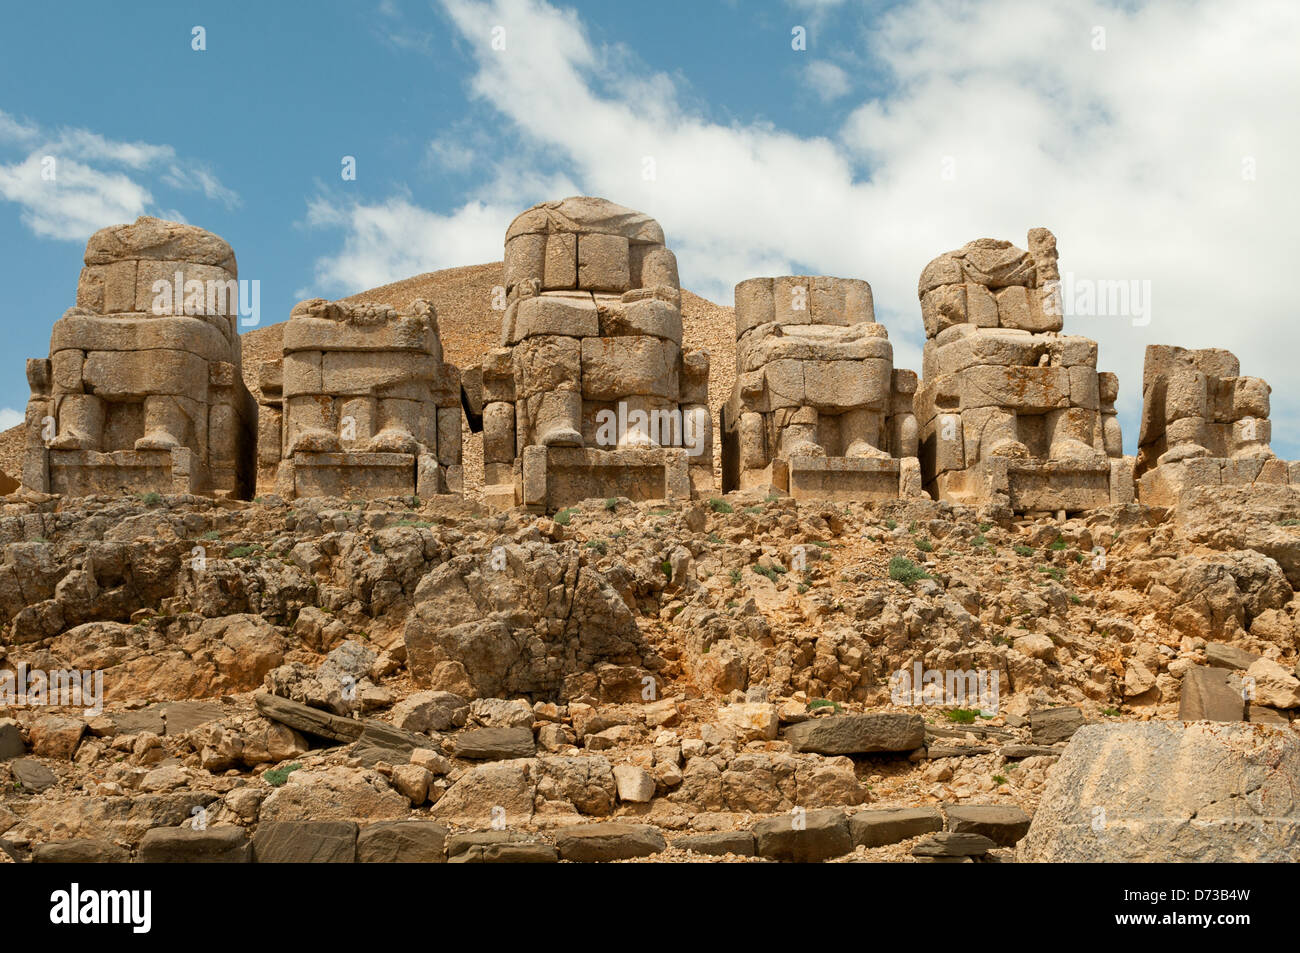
[(10, 417), (1132, 155), (71, 182), (827, 80)]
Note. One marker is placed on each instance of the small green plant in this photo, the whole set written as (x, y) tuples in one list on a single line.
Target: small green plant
[(771, 497), (753, 509), (979, 542), (1110, 712), (734, 576), (277, 776), (999, 779), (1075, 599), (719, 505), (773, 572), (985, 527), (891, 524), (666, 568), (1053, 572), (962, 716), (1058, 545), (418, 524), (151, 499), (611, 504), (715, 539), (902, 569), (802, 588), (563, 517), (1023, 550), (239, 552), (1289, 522), (824, 703), (598, 546), (924, 545), (211, 534)]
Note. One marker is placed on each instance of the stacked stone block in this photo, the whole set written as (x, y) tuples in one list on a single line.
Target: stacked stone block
[(1203, 424), (142, 391), (590, 392), (1012, 411), (818, 409), (360, 405)]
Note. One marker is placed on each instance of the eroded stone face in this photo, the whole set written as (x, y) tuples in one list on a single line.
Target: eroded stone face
[(143, 389), (1203, 424), (1010, 410), (361, 403), (591, 362), (818, 409)]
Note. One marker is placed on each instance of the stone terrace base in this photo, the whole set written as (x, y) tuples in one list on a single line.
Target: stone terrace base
[(547, 479), (844, 479), (1166, 484), (1030, 486), (368, 476), (89, 473)]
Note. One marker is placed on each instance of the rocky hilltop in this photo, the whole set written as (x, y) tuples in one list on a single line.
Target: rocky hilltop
[(335, 679)]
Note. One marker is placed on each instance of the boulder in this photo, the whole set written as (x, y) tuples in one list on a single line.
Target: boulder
[(610, 840), (300, 842), (890, 825), (858, 734), (1171, 792), (804, 836)]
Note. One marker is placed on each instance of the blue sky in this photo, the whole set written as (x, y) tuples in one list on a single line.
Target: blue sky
[(900, 132)]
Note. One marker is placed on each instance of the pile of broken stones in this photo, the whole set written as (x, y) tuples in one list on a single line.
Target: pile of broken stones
[(368, 681)]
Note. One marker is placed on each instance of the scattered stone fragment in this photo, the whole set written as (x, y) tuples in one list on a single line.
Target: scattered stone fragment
[(611, 840), (804, 836), (953, 844), (184, 845), (402, 842), (495, 744), (857, 734), (876, 828), (299, 842), (1051, 725), (1002, 824), (718, 843)]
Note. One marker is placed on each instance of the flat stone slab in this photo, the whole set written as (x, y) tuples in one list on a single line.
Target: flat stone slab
[(717, 843), (611, 840), (1016, 752), (1002, 824), (32, 775), (183, 845), (876, 828), (1229, 656), (80, 851), (950, 844), (495, 744), (402, 842), (308, 720), (499, 847), (1211, 694), (305, 842), (1051, 725), (806, 837), (11, 740), (857, 734), (934, 752)]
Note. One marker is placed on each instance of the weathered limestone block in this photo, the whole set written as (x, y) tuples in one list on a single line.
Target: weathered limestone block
[(360, 404), (1202, 423), (591, 392), (142, 391), (818, 408), (1010, 410)]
